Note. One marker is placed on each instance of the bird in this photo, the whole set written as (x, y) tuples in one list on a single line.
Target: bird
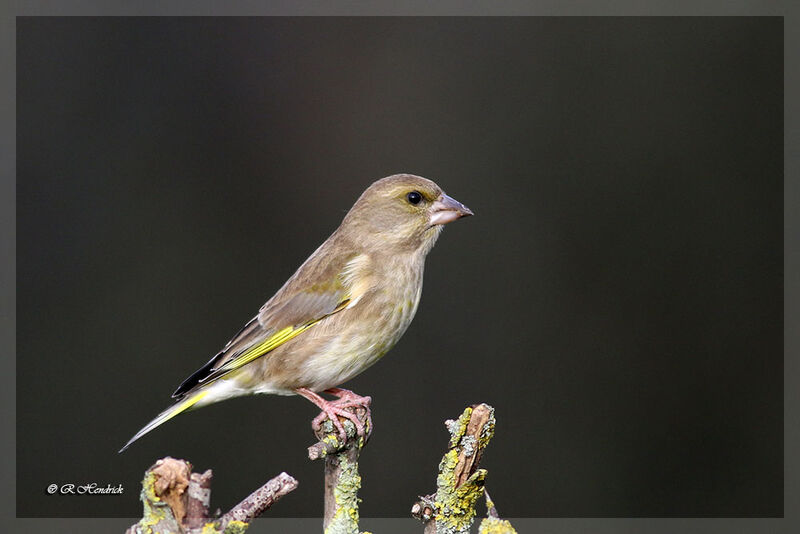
[(346, 306)]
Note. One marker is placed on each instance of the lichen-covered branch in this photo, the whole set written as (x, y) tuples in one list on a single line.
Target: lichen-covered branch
[(342, 480), (176, 501), (163, 498), (451, 510)]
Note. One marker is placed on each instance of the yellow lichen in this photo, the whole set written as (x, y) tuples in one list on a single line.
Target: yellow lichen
[(458, 427), (155, 510), (493, 525), (345, 519), (455, 506), (236, 527)]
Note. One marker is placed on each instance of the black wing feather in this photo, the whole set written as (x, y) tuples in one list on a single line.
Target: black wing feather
[(201, 374)]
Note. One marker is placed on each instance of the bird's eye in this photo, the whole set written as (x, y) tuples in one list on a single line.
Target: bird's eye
[(414, 197)]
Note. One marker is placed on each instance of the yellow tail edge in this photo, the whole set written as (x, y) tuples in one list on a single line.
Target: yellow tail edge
[(168, 414)]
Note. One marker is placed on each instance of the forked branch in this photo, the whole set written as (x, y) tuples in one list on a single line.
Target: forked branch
[(176, 501)]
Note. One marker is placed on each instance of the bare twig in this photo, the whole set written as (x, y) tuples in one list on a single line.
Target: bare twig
[(260, 500), (198, 499), (491, 509), (492, 524), (423, 510), (328, 445)]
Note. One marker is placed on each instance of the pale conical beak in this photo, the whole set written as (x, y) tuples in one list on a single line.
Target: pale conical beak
[(446, 209)]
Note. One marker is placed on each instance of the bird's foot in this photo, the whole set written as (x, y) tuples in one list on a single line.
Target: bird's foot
[(332, 412), (340, 408), (348, 399)]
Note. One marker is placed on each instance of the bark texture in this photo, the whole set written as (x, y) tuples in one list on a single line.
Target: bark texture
[(459, 484), (176, 501)]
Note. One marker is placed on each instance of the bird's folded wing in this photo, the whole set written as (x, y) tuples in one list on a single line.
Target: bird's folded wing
[(328, 282), (314, 305), (277, 323)]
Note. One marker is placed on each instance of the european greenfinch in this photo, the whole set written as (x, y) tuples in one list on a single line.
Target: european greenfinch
[(341, 311)]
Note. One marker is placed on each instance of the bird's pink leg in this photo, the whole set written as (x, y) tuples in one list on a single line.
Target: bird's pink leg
[(333, 409)]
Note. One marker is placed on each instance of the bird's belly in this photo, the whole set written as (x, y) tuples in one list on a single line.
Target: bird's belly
[(354, 349)]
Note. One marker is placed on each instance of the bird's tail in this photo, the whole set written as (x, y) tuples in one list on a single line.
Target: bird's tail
[(168, 414)]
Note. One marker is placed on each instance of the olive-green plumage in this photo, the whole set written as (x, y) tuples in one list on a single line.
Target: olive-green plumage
[(344, 308)]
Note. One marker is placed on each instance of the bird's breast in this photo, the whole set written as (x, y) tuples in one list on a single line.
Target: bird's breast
[(359, 336)]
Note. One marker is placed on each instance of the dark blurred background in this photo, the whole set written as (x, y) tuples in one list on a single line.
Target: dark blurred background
[(617, 297)]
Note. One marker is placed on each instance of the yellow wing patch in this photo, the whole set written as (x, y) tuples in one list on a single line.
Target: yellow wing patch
[(275, 340), (271, 343)]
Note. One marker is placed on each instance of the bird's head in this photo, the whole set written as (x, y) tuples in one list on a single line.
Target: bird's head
[(404, 212)]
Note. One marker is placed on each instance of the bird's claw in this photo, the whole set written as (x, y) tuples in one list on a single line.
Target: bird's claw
[(347, 406), (348, 399), (333, 413)]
